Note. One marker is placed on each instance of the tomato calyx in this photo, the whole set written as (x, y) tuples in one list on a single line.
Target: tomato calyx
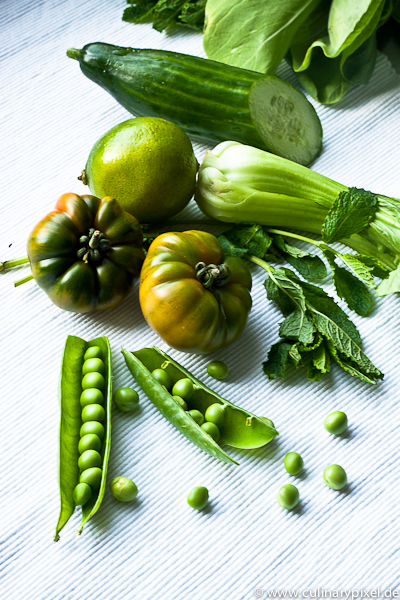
[(93, 246), (212, 276)]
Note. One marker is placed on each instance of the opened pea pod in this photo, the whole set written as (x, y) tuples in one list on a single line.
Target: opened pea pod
[(85, 427), (237, 427)]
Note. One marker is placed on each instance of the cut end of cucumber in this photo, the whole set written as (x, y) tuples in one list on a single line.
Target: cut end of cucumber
[(285, 120)]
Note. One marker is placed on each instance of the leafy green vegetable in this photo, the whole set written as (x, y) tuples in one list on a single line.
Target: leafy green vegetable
[(351, 212), (139, 11), (255, 35), (193, 13), (350, 288), (166, 13)]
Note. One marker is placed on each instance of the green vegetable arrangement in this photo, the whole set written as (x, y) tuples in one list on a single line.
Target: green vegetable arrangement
[(160, 376), (85, 427), (330, 44)]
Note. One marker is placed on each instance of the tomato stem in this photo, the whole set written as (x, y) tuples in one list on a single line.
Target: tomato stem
[(23, 280), (15, 262)]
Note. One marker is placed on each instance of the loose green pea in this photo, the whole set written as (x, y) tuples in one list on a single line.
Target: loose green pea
[(93, 412), (198, 497), (212, 430), (335, 477), (183, 388), (82, 493), (288, 496), (92, 477), (218, 369), (93, 365), (163, 378), (90, 441), (89, 459), (93, 352), (126, 399), (196, 416), (92, 427), (336, 422), (123, 489), (181, 402), (91, 396), (293, 463), (215, 414), (93, 380)]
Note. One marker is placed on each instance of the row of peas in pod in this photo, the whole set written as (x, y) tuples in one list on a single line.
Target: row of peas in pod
[(182, 392), (92, 430)]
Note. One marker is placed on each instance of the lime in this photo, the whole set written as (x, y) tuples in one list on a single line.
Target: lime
[(147, 164)]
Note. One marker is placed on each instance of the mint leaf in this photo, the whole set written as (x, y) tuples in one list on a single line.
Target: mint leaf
[(351, 212), (310, 266), (349, 287), (361, 266), (352, 367), (251, 238), (284, 292), (298, 326), (230, 249), (391, 285), (278, 357)]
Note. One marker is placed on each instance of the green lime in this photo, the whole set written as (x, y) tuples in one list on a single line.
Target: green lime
[(147, 164)]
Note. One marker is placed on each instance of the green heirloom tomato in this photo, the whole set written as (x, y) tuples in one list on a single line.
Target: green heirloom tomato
[(193, 297), (85, 253)]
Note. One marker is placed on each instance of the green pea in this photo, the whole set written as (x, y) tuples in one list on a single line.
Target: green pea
[(92, 427), (92, 477), (91, 396), (126, 399), (163, 378), (288, 496), (93, 352), (89, 459), (183, 388), (93, 412), (181, 402), (293, 463), (90, 441), (196, 416), (336, 422), (212, 430), (335, 477), (93, 380), (123, 489), (218, 369), (198, 497), (215, 414), (82, 493), (93, 365)]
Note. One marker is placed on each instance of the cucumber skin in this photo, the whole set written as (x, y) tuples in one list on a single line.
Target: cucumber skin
[(208, 99)]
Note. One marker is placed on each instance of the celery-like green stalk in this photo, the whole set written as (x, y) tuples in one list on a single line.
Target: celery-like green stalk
[(241, 184)]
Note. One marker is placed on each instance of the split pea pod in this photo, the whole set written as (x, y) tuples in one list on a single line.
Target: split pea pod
[(238, 428), (75, 426)]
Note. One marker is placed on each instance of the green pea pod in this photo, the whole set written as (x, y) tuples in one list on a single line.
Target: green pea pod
[(241, 429), (70, 424)]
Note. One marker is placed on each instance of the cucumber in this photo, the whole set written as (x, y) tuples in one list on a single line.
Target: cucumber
[(211, 101)]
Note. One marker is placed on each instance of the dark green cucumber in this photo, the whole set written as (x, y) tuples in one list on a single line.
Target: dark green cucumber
[(211, 101)]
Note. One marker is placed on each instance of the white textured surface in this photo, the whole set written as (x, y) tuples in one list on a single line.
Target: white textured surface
[(158, 547)]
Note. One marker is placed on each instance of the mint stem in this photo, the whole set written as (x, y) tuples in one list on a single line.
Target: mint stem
[(15, 262)]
